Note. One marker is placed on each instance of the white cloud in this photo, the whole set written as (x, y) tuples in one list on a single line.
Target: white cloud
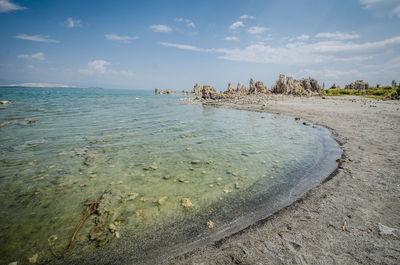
[(247, 17), (231, 38), (38, 38), (101, 68), (37, 56), (160, 28), (185, 47), (302, 37), (188, 22), (236, 25), (257, 30), (72, 23), (382, 7), (337, 35), (96, 67), (117, 37), (8, 6), (300, 53)]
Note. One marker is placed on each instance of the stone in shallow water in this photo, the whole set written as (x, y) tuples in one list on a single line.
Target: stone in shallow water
[(210, 224), (195, 162), (34, 258), (182, 180), (185, 202), (132, 196), (162, 200), (112, 228)]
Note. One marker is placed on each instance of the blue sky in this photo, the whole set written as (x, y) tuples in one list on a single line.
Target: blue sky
[(174, 44)]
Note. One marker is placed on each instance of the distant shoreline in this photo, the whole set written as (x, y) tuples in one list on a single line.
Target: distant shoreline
[(41, 85)]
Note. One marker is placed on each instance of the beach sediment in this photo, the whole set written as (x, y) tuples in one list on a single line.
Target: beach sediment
[(343, 220)]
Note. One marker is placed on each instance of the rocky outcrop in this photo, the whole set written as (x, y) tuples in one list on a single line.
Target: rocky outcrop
[(289, 86), (197, 90), (393, 84), (230, 89), (358, 85), (261, 88), (310, 84), (208, 92), (334, 86), (284, 85), (241, 89), (252, 87), (165, 92)]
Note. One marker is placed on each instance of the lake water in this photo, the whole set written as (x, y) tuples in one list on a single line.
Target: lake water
[(180, 175)]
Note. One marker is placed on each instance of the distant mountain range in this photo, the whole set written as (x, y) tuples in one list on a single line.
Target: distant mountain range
[(40, 85)]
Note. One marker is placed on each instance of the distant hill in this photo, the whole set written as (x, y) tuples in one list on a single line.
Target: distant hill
[(39, 85)]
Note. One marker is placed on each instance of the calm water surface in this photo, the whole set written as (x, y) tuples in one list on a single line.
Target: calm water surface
[(63, 147)]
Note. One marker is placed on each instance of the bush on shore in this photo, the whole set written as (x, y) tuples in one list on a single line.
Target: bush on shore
[(373, 92)]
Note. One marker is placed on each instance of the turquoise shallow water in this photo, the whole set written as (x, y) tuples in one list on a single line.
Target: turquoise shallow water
[(62, 147)]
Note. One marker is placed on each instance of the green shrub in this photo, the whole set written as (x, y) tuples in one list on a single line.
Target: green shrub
[(301, 88), (373, 92)]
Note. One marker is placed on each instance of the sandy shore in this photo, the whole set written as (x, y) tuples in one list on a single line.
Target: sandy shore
[(339, 221)]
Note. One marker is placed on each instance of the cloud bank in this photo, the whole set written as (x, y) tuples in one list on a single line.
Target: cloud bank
[(8, 6), (38, 38), (34, 56), (160, 28)]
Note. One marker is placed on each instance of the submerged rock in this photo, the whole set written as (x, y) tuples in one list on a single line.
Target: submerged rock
[(112, 228), (162, 200), (18, 122), (109, 201), (185, 202), (5, 102), (210, 224), (34, 258)]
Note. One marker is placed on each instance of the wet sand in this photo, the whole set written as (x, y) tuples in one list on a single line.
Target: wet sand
[(339, 221)]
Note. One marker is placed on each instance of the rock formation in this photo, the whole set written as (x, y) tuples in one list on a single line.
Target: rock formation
[(209, 92), (260, 88), (334, 86), (166, 91), (393, 83), (289, 86), (252, 87), (241, 89), (230, 89), (358, 85), (197, 90)]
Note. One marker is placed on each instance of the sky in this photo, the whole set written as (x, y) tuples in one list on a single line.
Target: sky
[(175, 44)]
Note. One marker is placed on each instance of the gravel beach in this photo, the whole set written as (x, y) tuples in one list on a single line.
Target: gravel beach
[(352, 218)]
